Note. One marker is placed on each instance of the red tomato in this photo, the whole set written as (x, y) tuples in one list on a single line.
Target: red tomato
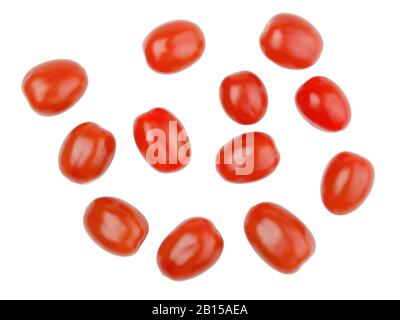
[(115, 225), (244, 97), (174, 46), (191, 249), (279, 237), (249, 157), (162, 140), (54, 86), (323, 104), (346, 183), (86, 153), (291, 42)]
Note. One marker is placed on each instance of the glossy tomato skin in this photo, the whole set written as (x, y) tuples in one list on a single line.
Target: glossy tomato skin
[(279, 237), (86, 153), (247, 158), (346, 183), (115, 225), (54, 86), (162, 140), (291, 42), (174, 46), (323, 104), (244, 97), (191, 249)]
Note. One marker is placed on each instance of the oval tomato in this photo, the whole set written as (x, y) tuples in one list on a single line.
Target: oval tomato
[(346, 183), (249, 157), (86, 153), (174, 46), (291, 42), (54, 86), (162, 140), (323, 104), (115, 225), (191, 249), (279, 237), (244, 97)]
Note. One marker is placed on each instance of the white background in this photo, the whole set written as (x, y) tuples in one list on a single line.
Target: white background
[(44, 250)]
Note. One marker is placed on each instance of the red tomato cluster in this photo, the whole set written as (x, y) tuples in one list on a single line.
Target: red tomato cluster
[(278, 236)]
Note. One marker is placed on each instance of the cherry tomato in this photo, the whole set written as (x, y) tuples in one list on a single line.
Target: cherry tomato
[(191, 249), (249, 157), (291, 42), (279, 237), (174, 46), (323, 104), (346, 183), (162, 140), (54, 86), (244, 97), (86, 153), (115, 225)]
